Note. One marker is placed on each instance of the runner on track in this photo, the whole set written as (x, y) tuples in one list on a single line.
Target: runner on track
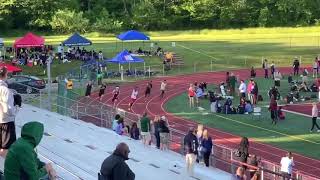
[(133, 97), (115, 93), (163, 88), (101, 91), (148, 89)]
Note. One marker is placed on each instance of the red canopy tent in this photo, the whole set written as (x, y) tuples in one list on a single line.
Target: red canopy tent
[(11, 68), (29, 40)]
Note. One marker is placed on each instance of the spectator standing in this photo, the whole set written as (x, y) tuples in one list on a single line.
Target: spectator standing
[(100, 56), (191, 94), (296, 66), (315, 67), (286, 166), (190, 146), (156, 127), (199, 134), (206, 147), (114, 167), (315, 112), (272, 69), (273, 108), (244, 149), (255, 92), (242, 89), (88, 89), (135, 132), (163, 86), (277, 77), (249, 90), (145, 129), (265, 68), (164, 133), (22, 161), (7, 114), (233, 81), (252, 72)]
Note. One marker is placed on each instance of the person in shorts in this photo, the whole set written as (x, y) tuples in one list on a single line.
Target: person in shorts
[(145, 129), (134, 96), (164, 133), (148, 89), (115, 93), (7, 114), (102, 91), (163, 88), (191, 94)]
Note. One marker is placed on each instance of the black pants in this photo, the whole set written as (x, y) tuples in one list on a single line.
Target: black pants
[(274, 116), (314, 123), (157, 135), (162, 94), (266, 74), (206, 157), (295, 71), (8, 134)]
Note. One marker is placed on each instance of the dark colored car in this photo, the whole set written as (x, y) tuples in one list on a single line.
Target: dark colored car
[(26, 84)]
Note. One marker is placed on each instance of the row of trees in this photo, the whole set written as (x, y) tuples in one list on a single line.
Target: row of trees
[(115, 15)]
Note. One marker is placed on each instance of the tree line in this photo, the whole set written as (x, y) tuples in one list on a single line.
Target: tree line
[(64, 16)]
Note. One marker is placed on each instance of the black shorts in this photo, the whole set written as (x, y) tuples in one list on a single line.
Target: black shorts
[(115, 97), (8, 134)]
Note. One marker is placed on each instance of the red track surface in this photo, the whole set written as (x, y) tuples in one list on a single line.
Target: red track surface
[(178, 85)]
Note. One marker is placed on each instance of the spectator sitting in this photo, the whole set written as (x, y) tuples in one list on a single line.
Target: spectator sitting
[(314, 88), (114, 166), (281, 114), (135, 132), (22, 161), (115, 122), (240, 174), (120, 127), (290, 79), (241, 107), (305, 72), (227, 107), (303, 87), (248, 107)]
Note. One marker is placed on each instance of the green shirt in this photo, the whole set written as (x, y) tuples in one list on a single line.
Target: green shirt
[(145, 124)]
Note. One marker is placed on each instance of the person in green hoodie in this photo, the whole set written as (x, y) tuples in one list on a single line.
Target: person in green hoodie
[(22, 162)]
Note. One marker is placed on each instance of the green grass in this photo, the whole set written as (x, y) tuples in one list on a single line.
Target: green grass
[(225, 48), (290, 134)]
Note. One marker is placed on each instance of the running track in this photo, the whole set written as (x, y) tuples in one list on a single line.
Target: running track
[(178, 85)]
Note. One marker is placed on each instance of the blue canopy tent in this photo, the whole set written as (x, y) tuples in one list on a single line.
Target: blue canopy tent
[(76, 40), (132, 35), (124, 57)]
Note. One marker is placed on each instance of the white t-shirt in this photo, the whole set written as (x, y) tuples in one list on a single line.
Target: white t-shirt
[(242, 88), (163, 86), (286, 165), (134, 94)]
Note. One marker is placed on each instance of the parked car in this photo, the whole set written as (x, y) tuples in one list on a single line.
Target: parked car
[(24, 84)]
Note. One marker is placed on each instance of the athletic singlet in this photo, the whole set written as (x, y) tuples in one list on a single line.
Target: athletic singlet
[(134, 94), (191, 92)]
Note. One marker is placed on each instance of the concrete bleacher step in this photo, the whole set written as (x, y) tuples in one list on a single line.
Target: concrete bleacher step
[(77, 150)]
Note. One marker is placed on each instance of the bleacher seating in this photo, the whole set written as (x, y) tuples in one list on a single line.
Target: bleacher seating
[(77, 150)]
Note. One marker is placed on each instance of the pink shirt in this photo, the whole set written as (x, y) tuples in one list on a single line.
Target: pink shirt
[(314, 111)]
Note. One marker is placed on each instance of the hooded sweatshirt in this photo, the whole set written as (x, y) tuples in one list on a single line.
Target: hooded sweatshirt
[(7, 109), (22, 162)]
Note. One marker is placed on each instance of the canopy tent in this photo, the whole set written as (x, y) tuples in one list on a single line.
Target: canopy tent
[(125, 57), (133, 35), (11, 68), (76, 40), (29, 40)]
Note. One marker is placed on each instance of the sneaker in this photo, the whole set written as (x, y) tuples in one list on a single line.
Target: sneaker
[(311, 131), (318, 130)]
